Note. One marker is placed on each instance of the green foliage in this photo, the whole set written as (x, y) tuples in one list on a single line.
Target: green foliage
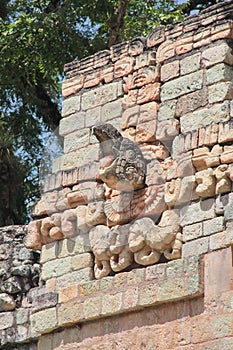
[(37, 39)]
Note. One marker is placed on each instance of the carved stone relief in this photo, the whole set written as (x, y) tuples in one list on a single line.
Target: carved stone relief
[(130, 213)]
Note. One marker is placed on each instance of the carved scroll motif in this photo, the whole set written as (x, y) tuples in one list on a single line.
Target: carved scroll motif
[(143, 241)]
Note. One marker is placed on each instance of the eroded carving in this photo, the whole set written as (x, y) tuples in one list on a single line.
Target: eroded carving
[(143, 241), (123, 166), (206, 183)]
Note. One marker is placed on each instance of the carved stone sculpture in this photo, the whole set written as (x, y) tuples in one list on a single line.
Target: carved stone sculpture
[(148, 241), (123, 166), (223, 184), (206, 183)]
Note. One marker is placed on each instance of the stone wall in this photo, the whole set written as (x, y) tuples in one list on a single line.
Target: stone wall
[(19, 276), (135, 221)]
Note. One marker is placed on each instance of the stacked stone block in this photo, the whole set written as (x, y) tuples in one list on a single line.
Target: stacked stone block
[(20, 270)]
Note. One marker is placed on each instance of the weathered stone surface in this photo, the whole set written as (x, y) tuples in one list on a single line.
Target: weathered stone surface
[(72, 123), (190, 64), (181, 86), (101, 95), (218, 73), (76, 140), (70, 106), (203, 117), (217, 54), (7, 302)]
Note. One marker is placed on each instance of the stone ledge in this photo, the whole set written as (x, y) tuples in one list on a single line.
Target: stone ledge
[(127, 291)]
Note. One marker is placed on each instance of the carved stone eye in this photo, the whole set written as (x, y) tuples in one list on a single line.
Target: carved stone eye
[(130, 154)]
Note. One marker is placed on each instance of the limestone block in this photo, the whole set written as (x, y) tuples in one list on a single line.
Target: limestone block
[(171, 168), (101, 58), (111, 110), (130, 117), (118, 208), (214, 156), (123, 66), (167, 129), (95, 214), (200, 158), (214, 225), (205, 183), (101, 95), (72, 85), (229, 171), (220, 92), (136, 46), (187, 189), (190, 64), (197, 212), (225, 132), (69, 178), (7, 302), (130, 99), (143, 76), (72, 123), (181, 86), (50, 227), (191, 102), (147, 58), (217, 113), (219, 72), (6, 320), (170, 70), (208, 135), (44, 321), (144, 254), (81, 261), (92, 79), (184, 43), (71, 105), (174, 252), (62, 202), (218, 53), (76, 140), (55, 268), (149, 92), (184, 165), (145, 132), (150, 202), (165, 51), (191, 140), (47, 204), (202, 37), (151, 240), (194, 248), (156, 36), (119, 50), (227, 155), (167, 110), (148, 113), (194, 231), (223, 184)]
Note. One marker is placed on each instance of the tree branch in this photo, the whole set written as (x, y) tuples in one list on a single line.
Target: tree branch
[(117, 22)]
